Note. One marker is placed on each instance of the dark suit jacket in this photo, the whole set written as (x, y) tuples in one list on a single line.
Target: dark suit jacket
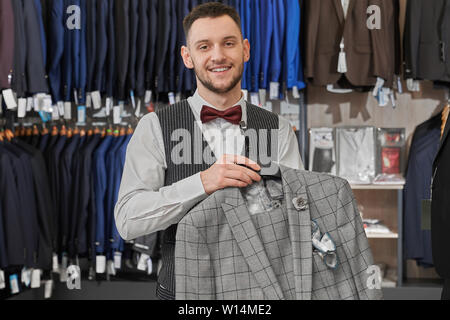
[(6, 42), (151, 47), (162, 44), (427, 25), (122, 37), (102, 45), (19, 80), (134, 23), (142, 46), (91, 43), (440, 217), (370, 53)]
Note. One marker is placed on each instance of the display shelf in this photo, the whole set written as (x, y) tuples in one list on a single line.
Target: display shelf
[(373, 235), (377, 186)]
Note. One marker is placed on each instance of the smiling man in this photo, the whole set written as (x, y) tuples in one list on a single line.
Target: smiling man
[(157, 188)]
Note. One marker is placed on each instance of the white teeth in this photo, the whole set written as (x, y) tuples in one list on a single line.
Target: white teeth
[(220, 70)]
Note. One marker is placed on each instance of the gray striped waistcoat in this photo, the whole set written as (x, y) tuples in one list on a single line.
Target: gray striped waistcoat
[(180, 117)]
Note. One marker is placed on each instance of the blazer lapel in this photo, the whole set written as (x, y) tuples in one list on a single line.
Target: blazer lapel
[(245, 233), (339, 11), (299, 230)]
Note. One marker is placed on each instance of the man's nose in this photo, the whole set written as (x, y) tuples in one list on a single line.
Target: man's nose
[(217, 54)]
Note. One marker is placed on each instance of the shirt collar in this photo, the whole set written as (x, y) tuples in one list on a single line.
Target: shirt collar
[(197, 102)]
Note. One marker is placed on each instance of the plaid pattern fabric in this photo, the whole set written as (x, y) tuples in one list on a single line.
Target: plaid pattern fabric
[(223, 252)]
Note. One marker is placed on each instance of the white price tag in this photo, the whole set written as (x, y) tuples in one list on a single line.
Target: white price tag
[(295, 92), (60, 105), (268, 106), (378, 86), (254, 98), (55, 113), (2, 280), (110, 268), (274, 90), (88, 100), (288, 108), (47, 104), (148, 96), (117, 260), (10, 100), (55, 266), (142, 264), (138, 108), (81, 114), (171, 98), (26, 277), (29, 104), (36, 279), (117, 119), (67, 110), (14, 284), (178, 97), (100, 264), (263, 96), (22, 108), (48, 289), (109, 106), (96, 99)]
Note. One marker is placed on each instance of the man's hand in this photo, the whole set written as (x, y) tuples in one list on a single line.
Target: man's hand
[(228, 172)]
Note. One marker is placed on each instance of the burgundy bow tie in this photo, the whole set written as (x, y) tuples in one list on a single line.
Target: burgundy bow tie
[(232, 115)]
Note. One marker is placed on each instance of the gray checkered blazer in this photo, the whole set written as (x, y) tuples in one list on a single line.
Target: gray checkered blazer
[(223, 253)]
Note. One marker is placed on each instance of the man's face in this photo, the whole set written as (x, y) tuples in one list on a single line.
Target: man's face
[(217, 53)]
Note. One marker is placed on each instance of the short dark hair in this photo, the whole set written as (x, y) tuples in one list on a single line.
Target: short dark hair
[(210, 10)]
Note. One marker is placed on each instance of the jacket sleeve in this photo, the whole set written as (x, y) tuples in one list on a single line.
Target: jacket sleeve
[(356, 246), (312, 8), (411, 37), (194, 274)]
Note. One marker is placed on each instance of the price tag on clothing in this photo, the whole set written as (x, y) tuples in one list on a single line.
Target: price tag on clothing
[(10, 100), (245, 93), (48, 289), (268, 106), (262, 96), (55, 113), (88, 100), (413, 85), (14, 284), (274, 90), (36, 279), (22, 108), (26, 277), (60, 105), (100, 264), (81, 114), (110, 268), (171, 98), (109, 105), (399, 85), (2, 280), (29, 104), (295, 92), (138, 108), (178, 97), (117, 119), (55, 266), (378, 86), (148, 96), (96, 100), (149, 266), (68, 110), (47, 103), (254, 98), (142, 264), (133, 101), (118, 260)]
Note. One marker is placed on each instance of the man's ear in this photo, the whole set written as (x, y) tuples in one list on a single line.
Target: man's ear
[(186, 55), (246, 50)]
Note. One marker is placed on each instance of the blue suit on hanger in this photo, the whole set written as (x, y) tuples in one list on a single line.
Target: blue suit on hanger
[(102, 46), (277, 41), (112, 167), (255, 60), (117, 243), (38, 6), (67, 63), (111, 58), (57, 28), (91, 42), (100, 186), (3, 256), (82, 80), (266, 15)]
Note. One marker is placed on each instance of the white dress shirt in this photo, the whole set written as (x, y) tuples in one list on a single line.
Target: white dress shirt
[(144, 205)]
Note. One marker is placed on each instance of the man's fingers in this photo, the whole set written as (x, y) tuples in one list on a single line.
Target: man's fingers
[(238, 175), (241, 160), (235, 183)]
